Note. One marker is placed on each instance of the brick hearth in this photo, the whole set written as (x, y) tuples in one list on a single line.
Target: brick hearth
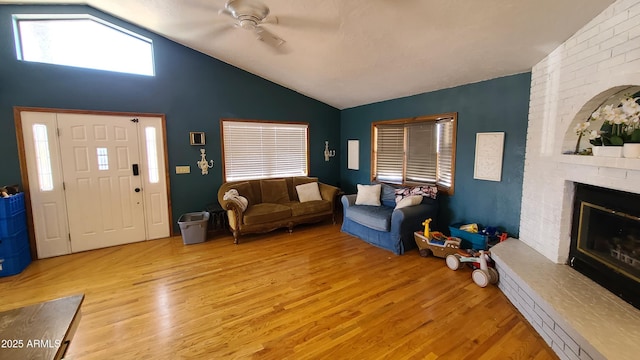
[(578, 318)]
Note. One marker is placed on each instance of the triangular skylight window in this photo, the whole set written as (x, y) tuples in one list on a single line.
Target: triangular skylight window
[(82, 41)]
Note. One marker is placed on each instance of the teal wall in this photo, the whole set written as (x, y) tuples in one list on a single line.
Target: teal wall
[(500, 104), (193, 90)]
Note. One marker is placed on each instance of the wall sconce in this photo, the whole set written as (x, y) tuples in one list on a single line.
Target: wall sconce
[(203, 164), (328, 153)]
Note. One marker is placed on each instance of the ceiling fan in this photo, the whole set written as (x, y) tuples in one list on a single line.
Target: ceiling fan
[(251, 15)]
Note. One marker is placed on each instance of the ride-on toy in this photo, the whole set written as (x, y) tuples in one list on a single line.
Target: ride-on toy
[(483, 274)]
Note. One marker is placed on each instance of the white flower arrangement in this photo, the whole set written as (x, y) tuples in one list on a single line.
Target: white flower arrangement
[(621, 124)]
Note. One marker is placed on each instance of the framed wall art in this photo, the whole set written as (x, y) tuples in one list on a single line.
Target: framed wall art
[(353, 154), (489, 151)]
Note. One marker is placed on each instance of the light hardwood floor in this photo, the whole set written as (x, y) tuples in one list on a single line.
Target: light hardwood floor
[(314, 294)]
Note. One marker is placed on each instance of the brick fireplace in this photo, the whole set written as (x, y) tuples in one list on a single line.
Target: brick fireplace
[(600, 60)]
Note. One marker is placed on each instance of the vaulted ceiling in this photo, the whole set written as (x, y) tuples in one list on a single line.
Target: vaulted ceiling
[(352, 52)]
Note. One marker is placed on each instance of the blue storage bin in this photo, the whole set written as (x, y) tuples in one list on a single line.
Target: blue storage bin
[(469, 240), (10, 226), (11, 245), (11, 205), (12, 265)]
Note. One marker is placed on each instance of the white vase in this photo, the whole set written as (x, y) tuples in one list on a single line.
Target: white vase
[(607, 151), (631, 151)]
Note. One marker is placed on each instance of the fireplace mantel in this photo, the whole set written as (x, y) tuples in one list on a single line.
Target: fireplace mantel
[(595, 161)]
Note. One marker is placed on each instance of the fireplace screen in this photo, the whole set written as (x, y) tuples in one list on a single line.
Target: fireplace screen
[(610, 237), (605, 240)]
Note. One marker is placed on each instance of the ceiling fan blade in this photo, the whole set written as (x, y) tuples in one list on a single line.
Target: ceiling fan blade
[(308, 22), (270, 20), (202, 5), (268, 37), (225, 11), (223, 28)]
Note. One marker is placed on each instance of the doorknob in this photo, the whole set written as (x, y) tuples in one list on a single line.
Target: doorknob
[(136, 189)]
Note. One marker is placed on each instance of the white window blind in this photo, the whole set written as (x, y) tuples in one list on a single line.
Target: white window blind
[(258, 150), (445, 152), (415, 151), (421, 152), (389, 153)]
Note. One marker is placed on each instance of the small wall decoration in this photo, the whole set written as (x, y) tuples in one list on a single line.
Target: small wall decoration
[(488, 161), (328, 153), (196, 138), (203, 164), (353, 154)]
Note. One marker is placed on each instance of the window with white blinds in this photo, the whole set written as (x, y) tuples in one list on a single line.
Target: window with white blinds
[(389, 154), (258, 150), (446, 143), (417, 150)]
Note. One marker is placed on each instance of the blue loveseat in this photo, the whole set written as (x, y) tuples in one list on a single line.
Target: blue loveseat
[(384, 226)]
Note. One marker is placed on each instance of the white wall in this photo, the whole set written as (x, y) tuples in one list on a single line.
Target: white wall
[(566, 87)]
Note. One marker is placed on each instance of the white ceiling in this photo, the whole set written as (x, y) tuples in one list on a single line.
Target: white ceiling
[(352, 52)]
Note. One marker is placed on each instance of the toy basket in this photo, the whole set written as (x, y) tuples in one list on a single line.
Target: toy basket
[(13, 224), (11, 205), (469, 240)]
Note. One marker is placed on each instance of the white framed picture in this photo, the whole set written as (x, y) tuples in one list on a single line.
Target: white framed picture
[(489, 151), (353, 154)]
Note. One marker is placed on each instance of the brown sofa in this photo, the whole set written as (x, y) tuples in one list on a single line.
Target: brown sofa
[(274, 203)]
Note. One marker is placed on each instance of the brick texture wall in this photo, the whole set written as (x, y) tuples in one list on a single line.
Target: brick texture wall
[(569, 84)]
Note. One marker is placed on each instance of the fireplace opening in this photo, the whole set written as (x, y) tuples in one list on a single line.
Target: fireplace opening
[(605, 239)]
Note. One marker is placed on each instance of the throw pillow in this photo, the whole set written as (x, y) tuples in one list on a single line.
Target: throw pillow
[(308, 192), (409, 201), (274, 191), (368, 195)]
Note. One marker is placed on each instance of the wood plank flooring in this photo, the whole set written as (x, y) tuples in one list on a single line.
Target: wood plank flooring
[(313, 294)]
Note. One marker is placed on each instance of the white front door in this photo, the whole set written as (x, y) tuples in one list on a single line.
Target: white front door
[(101, 165), (94, 180)]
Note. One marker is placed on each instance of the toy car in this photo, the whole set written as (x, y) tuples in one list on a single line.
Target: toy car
[(483, 274), (437, 244)]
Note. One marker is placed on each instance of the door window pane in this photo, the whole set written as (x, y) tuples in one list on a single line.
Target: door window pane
[(43, 158), (103, 159), (152, 155)]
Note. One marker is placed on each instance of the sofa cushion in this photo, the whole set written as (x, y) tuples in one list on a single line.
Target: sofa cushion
[(388, 195), (265, 213), (309, 207), (374, 217), (244, 189), (368, 195), (308, 192), (274, 191)]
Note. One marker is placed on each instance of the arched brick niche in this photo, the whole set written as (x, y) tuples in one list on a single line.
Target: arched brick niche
[(610, 96)]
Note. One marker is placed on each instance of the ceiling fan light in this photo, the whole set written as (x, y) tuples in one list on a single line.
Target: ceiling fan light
[(247, 24)]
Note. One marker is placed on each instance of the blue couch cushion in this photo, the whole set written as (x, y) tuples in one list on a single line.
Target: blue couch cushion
[(374, 217), (388, 195)]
